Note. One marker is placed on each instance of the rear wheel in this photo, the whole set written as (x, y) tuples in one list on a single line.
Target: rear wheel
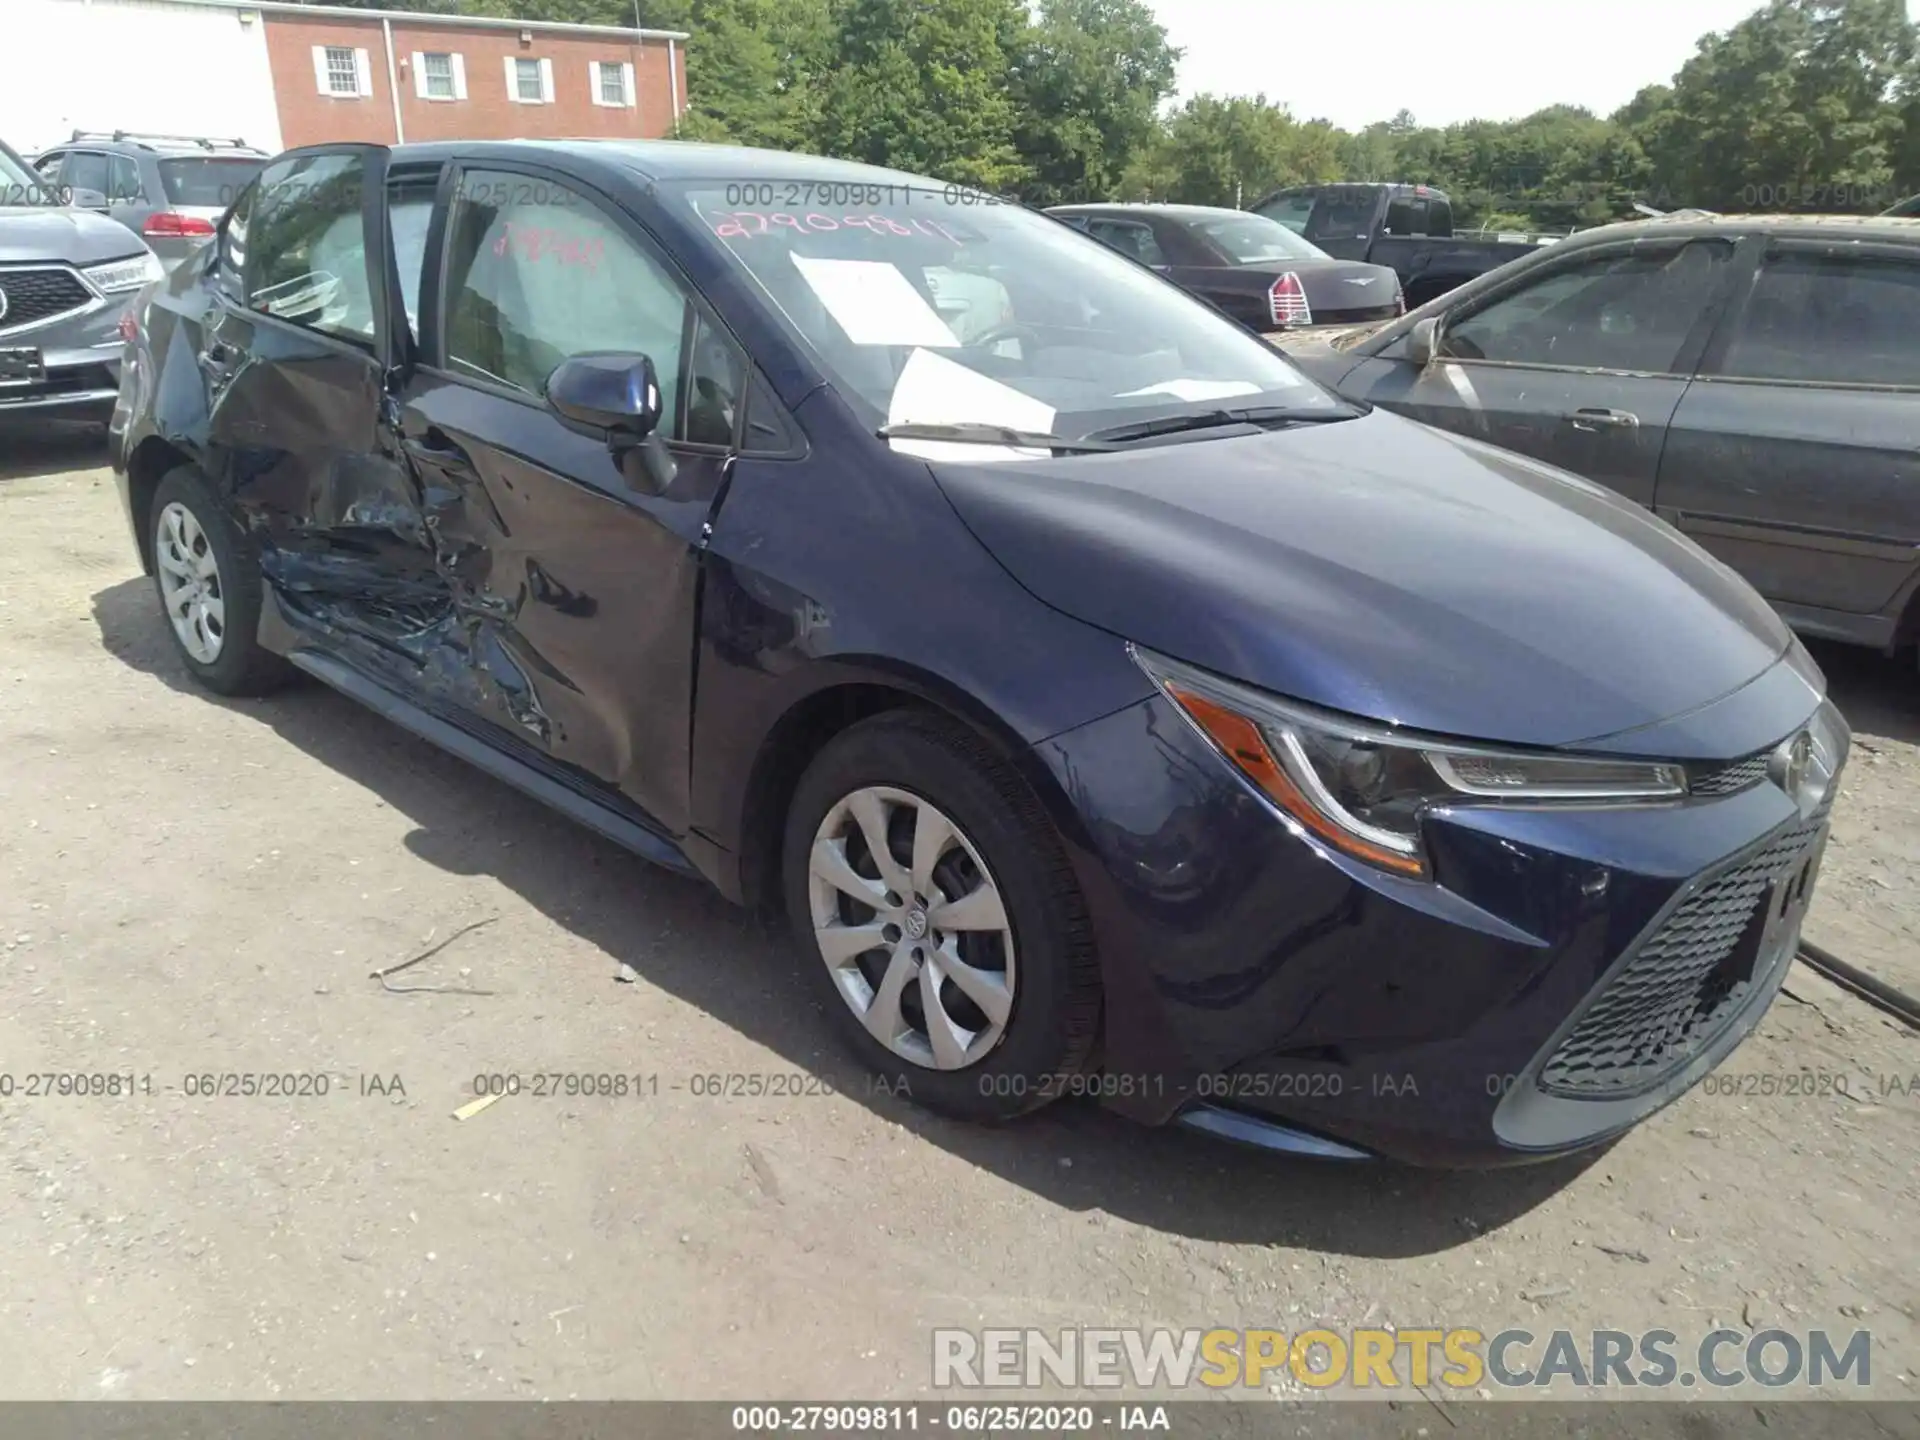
[(207, 573), (943, 928)]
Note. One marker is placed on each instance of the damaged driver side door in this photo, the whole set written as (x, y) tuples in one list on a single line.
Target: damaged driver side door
[(295, 353)]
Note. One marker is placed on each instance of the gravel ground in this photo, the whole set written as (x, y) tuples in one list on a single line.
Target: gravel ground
[(190, 886)]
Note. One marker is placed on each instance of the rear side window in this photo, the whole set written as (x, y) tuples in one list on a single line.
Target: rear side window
[(1630, 311), (1130, 238), (305, 253), (537, 273), (1406, 216), (123, 180), (1847, 319), (206, 183)]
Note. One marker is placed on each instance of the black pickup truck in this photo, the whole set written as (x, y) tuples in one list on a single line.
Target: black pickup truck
[(1408, 228)]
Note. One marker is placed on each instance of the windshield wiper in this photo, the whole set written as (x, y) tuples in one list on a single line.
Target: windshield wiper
[(1213, 419), (973, 433)]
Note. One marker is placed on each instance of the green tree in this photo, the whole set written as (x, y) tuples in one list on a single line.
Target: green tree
[(921, 85), (1233, 151), (1087, 86), (753, 71), (1793, 108)]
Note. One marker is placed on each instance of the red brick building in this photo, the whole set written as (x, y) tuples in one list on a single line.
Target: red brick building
[(389, 76)]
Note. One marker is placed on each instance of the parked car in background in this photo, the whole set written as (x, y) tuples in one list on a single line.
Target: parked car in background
[(1408, 228), (1755, 380), (1246, 266), (66, 279), (1111, 709), (1906, 209), (167, 189)]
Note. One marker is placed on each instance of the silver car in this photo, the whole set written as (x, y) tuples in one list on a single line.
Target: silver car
[(66, 280), (170, 190)]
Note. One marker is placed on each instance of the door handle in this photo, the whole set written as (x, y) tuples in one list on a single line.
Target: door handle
[(1596, 419)]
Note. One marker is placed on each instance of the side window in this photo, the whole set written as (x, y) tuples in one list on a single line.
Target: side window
[(48, 166), (86, 170), (537, 273), (1845, 319), (232, 262), (1619, 311), (1130, 238), (1406, 217), (410, 197), (305, 249), (123, 179), (715, 376)]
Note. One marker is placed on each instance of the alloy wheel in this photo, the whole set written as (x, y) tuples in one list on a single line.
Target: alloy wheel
[(190, 586), (912, 927)]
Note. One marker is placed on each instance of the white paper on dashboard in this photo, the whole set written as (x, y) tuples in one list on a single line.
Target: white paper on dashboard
[(874, 303), (933, 390), (1193, 391)]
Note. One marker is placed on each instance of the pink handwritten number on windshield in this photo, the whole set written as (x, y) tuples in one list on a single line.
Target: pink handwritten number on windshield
[(745, 224)]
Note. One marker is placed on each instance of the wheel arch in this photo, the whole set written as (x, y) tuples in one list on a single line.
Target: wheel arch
[(844, 693), (147, 465)]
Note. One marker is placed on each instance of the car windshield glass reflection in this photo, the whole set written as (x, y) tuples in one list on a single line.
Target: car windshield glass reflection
[(930, 310)]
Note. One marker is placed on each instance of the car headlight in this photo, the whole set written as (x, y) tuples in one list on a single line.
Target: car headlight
[(1362, 787), (118, 276)]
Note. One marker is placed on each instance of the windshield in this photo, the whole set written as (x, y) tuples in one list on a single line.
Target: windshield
[(206, 182), (932, 306), (1251, 239)]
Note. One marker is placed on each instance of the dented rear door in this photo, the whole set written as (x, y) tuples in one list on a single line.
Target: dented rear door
[(293, 353)]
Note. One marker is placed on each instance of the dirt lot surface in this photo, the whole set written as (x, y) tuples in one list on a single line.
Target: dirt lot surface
[(190, 886)]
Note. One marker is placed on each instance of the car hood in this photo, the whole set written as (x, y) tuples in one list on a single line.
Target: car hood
[(1382, 568), (76, 237)]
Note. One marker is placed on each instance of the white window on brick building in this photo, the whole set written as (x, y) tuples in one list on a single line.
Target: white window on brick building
[(342, 71), (529, 81), (612, 83), (438, 75)]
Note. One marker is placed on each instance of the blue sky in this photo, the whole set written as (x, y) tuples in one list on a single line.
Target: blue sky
[(1356, 61)]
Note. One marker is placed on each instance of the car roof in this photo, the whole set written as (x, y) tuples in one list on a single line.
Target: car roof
[(165, 147), (671, 160), (1825, 227), (1171, 212)]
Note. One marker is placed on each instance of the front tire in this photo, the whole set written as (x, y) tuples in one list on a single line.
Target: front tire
[(942, 925), (207, 574)]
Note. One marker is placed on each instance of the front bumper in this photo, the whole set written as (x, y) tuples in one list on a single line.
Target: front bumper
[(78, 376), (1253, 977)]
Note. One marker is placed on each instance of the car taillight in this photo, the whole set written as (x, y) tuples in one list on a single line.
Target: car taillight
[(171, 224), (1287, 301)]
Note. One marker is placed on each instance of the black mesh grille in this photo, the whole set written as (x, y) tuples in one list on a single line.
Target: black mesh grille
[(36, 294), (1726, 779), (1685, 979)]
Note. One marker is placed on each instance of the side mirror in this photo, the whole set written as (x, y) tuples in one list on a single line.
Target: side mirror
[(1423, 341), (87, 200), (615, 394)]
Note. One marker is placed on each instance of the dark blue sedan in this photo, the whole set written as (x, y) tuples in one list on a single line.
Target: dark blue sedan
[(1111, 709)]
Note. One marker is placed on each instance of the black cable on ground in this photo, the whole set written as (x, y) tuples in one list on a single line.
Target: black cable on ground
[(1876, 993)]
